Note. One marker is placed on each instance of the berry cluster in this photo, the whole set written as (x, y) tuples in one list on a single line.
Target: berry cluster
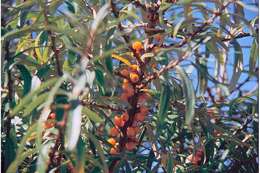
[(124, 133)]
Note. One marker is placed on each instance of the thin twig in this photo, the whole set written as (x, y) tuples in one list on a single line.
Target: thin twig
[(53, 40)]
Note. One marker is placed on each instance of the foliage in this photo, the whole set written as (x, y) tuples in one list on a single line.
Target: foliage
[(129, 86)]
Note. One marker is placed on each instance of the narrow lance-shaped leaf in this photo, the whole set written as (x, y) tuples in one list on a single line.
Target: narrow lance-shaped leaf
[(27, 78), (189, 95), (253, 56), (237, 67), (14, 166), (164, 102), (36, 102), (177, 27), (100, 152), (80, 156), (91, 115), (25, 100), (170, 163), (73, 128)]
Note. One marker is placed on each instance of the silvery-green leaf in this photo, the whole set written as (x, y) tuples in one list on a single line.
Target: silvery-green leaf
[(73, 128), (189, 95)]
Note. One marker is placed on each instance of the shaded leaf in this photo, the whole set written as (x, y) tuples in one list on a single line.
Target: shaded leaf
[(189, 95), (92, 115)]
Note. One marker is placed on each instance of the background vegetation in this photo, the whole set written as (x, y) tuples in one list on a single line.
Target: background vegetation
[(129, 86)]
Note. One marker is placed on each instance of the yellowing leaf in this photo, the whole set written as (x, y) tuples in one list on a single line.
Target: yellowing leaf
[(42, 57), (125, 61)]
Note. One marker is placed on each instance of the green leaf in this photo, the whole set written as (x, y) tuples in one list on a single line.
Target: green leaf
[(164, 102), (20, 158), (237, 67), (80, 156), (170, 163), (35, 103), (189, 95), (26, 100), (70, 7), (100, 152), (26, 77), (9, 148), (73, 128), (253, 57), (28, 134), (240, 11), (177, 27), (92, 115), (100, 80)]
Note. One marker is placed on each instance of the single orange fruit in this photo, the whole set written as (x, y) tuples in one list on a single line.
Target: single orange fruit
[(134, 77), (143, 98), (158, 37), (49, 124), (111, 141), (137, 129), (125, 116), (130, 146), (144, 110), (119, 121), (139, 117), (124, 72), (125, 84), (131, 132), (135, 68), (113, 151), (114, 132), (137, 46), (52, 115)]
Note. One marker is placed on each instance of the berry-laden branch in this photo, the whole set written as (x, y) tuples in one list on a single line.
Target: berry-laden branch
[(127, 126)]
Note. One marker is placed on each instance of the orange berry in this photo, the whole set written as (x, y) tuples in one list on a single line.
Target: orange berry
[(119, 121), (129, 91), (125, 116), (113, 151), (125, 84), (135, 68), (114, 132), (49, 124), (134, 77), (124, 72), (137, 129), (52, 115), (143, 98), (111, 141), (131, 132), (139, 117), (137, 46), (130, 145), (158, 37), (144, 110)]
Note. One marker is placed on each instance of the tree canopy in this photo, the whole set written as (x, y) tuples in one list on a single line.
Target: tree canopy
[(129, 86)]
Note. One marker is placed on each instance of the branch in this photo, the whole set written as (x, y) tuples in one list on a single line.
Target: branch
[(96, 105), (53, 41), (175, 62), (200, 28)]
